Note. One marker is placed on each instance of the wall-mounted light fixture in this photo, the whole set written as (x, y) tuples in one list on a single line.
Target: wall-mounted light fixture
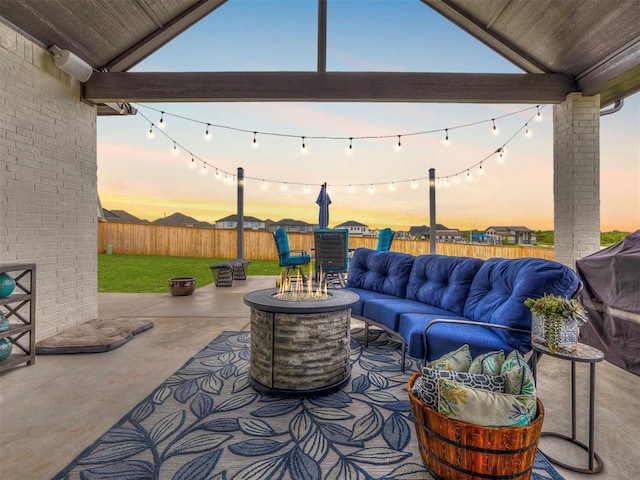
[(71, 64)]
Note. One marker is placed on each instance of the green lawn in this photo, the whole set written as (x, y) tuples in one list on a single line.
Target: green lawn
[(151, 273)]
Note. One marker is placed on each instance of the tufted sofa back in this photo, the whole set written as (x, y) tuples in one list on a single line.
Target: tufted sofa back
[(383, 272), (501, 286), (442, 281)]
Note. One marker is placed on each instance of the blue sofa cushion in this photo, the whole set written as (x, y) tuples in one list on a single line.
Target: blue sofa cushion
[(442, 281), (501, 286), (387, 311), (443, 338), (365, 295), (383, 272)]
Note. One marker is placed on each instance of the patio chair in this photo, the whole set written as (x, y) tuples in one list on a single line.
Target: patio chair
[(385, 237), (286, 259), (331, 255)]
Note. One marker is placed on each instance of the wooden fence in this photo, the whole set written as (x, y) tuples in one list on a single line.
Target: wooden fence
[(146, 239)]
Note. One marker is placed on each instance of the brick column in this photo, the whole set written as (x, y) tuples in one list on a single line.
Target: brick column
[(576, 177)]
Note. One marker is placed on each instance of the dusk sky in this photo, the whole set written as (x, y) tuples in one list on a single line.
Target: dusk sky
[(375, 184)]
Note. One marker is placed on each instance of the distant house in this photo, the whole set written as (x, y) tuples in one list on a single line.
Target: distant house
[(120, 216), (180, 220), (250, 223), (290, 225), (511, 235), (443, 233), (356, 229)]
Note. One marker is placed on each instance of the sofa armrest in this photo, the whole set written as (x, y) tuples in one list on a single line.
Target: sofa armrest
[(463, 322)]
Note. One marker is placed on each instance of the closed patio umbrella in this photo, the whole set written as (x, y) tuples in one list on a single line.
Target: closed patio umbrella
[(323, 202)]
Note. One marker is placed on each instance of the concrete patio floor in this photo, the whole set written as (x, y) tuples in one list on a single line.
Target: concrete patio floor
[(51, 411)]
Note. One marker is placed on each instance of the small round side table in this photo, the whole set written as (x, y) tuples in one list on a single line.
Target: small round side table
[(582, 354)]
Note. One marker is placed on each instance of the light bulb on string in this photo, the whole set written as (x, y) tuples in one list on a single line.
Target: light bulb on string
[(349, 150), (494, 129), (175, 150), (204, 168), (538, 114), (392, 187), (265, 185), (469, 178), (218, 176), (192, 163), (446, 142), (480, 170), (438, 183), (283, 187), (456, 179), (207, 134), (371, 189), (150, 132), (398, 146), (306, 189), (351, 189), (500, 153), (303, 149), (161, 123), (527, 132), (414, 184), (254, 144)]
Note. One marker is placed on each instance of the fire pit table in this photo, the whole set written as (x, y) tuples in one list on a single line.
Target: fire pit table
[(300, 347)]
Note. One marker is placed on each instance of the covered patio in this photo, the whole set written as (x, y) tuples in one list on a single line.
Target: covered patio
[(582, 57)]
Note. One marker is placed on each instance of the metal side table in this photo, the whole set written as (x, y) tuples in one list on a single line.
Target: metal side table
[(582, 354)]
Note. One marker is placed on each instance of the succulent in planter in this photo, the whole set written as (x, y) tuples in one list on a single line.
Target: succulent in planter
[(561, 317)]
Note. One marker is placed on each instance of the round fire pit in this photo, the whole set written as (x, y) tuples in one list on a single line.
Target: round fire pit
[(181, 286), (299, 347)]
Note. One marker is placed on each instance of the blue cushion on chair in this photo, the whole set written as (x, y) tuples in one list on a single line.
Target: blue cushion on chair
[(293, 260), (442, 281), (383, 272), (501, 286)]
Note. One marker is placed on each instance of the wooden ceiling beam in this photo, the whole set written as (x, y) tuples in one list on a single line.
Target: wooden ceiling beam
[(105, 87)]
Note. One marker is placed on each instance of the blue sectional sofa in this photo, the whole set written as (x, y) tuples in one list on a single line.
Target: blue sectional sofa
[(436, 303)]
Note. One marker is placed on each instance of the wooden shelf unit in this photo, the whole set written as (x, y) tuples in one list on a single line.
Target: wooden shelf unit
[(20, 310)]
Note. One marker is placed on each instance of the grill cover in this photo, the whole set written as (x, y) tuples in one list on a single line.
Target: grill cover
[(611, 296)]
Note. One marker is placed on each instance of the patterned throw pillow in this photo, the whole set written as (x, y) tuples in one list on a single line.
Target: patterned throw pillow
[(488, 363), (427, 388), (519, 377), (490, 409), (458, 360)]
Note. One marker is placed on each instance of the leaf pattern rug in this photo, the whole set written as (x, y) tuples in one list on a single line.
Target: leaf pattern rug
[(206, 422)]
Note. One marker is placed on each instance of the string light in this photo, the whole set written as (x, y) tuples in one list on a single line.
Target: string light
[(175, 150), (445, 142), (192, 163), (450, 179), (283, 187), (304, 149), (494, 129), (255, 140), (207, 134), (398, 146), (306, 189), (218, 176), (161, 123), (538, 114), (264, 185)]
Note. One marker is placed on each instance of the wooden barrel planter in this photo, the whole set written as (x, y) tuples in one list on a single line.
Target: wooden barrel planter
[(465, 451)]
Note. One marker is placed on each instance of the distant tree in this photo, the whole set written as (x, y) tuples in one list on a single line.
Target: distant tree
[(609, 238), (544, 237)]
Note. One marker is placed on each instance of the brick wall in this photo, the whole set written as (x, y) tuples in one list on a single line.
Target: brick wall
[(576, 177), (48, 196)]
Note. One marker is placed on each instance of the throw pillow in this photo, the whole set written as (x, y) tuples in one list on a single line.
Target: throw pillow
[(427, 389), (488, 363), (458, 360), (490, 409), (519, 377)]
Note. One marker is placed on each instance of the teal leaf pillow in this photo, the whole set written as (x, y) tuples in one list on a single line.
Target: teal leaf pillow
[(426, 386), (488, 363), (480, 407), (519, 377), (458, 360)]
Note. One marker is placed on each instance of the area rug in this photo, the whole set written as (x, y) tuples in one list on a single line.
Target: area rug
[(206, 422), (94, 336)]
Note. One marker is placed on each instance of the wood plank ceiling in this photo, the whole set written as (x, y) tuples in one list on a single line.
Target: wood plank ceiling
[(591, 46)]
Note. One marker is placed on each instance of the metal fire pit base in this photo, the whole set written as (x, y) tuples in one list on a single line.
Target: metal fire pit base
[(299, 349)]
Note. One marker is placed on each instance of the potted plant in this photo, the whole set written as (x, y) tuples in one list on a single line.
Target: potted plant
[(556, 321)]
